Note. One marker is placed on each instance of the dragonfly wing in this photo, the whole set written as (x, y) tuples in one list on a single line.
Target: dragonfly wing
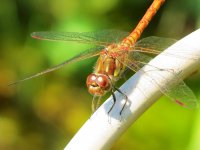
[(102, 38), (176, 90), (182, 95), (145, 50), (140, 59), (107, 36), (154, 44), (135, 60), (84, 55)]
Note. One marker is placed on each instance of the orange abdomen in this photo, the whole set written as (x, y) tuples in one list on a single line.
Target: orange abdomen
[(136, 33)]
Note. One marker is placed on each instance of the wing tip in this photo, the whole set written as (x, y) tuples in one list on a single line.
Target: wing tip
[(35, 36)]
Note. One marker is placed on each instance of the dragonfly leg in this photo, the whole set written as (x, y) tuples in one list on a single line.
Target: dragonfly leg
[(125, 74), (126, 99), (95, 106), (114, 101), (98, 103)]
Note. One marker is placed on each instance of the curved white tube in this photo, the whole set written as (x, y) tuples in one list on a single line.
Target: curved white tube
[(102, 130)]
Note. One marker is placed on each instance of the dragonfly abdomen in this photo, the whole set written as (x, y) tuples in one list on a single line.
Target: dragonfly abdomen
[(136, 33)]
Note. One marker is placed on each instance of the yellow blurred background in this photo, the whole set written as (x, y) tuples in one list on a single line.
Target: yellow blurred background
[(45, 113)]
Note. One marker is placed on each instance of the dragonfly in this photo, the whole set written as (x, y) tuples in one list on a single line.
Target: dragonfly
[(118, 51)]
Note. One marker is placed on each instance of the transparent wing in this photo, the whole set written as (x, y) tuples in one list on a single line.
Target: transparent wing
[(102, 38), (84, 55), (182, 95), (147, 48), (154, 44), (177, 90), (143, 52)]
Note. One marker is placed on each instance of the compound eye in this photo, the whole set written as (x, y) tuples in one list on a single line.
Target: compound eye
[(91, 79), (102, 81)]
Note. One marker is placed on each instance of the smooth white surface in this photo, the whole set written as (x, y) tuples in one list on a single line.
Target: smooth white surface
[(102, 130)]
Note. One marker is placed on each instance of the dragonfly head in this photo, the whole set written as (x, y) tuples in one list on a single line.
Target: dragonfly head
[(98, 84)]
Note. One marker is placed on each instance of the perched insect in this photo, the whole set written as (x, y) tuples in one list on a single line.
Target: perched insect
[(117, 51)]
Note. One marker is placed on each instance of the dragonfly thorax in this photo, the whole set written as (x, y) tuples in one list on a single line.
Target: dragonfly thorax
[(107, 70), (98, 84)]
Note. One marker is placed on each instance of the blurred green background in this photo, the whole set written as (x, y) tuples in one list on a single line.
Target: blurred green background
[(46, 112)]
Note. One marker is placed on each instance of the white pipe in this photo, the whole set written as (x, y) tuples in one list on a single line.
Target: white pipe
[(102, 130)]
